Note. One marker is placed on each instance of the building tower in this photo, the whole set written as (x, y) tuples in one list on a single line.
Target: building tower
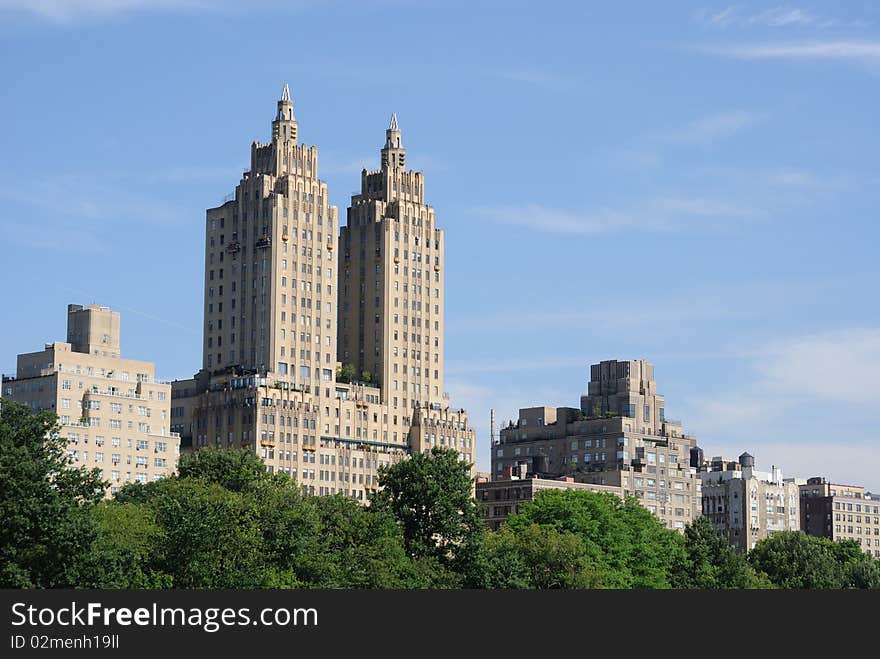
[(270, 300), (619, 437), (391, 283), (268, 379)]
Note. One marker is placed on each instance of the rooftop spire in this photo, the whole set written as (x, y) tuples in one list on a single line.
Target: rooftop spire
[(393, 125), (285, 93)]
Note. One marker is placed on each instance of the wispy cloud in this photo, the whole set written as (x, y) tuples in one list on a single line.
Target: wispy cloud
[(62, 11), (803, 393), (710, 128), (332, 164), (666, 214), (87, 199), (792, 177), (721, 18), (775, 17), (839, 365), (553, 81), (861, 51), (783, 16), (70, 11)]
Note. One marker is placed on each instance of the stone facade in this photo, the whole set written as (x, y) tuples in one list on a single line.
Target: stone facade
[(272, 286), (841, 512), (501, 498), (619, 437), (114, 413), (746, 505)]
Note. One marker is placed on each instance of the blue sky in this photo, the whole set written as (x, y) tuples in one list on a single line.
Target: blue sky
[(691, 183)]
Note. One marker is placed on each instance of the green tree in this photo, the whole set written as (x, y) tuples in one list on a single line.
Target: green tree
[(346, 373), (538, 556), (291, 533), (363, 546), (793, 559), (624, 545), (123, 554), (211, 537), (862, 573), (45, 526), (431, 498), (711, 563), (234, 469)]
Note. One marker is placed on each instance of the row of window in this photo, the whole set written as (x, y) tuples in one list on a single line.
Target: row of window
[(116, 458)]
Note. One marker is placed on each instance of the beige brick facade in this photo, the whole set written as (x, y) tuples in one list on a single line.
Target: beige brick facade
[(501, 498), (115, 414), (619, 437), (841, 512), (746, 505), (272, 287)]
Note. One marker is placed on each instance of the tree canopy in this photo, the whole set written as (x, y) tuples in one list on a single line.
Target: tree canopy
[(224, 521)]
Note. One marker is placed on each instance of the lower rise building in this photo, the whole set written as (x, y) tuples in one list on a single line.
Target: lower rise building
[(619, 437), (501, 498), (841, 512), (114, 413), (746, 505)]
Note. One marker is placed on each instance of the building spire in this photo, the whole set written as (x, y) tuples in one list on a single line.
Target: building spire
[(284, 126), (393, 153)]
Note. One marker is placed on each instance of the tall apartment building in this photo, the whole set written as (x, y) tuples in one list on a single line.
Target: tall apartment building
[(619, 437), (268, 380), (747, 505), (113, 412), (841, 512), (391, 288)]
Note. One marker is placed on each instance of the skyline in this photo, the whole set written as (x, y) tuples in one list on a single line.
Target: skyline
[(727, 222)]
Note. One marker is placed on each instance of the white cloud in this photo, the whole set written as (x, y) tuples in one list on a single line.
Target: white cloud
[(89, 199), (549, 80), (721, 18), (332, 164), (712, 127), (552, 220), (701, 206), (666, 214), (61, 11), (863, 51), (69, 11), (775, 17), (782, 16), (791, 177), (807, 405), (835, 366)]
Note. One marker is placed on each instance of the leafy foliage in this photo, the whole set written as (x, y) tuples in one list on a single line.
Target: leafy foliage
[(622, 544), (431, 498), (793, 559), (44, 502), (225, 522), (710, 563)]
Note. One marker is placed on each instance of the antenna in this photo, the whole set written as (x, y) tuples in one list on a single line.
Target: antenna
[(491, 429)]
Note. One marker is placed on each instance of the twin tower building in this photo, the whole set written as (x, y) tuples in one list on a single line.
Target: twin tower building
[(323, 345)]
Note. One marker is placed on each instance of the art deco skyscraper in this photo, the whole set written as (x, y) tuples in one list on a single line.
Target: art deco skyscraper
[(270, 299), (391, 282), (268, 378)]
